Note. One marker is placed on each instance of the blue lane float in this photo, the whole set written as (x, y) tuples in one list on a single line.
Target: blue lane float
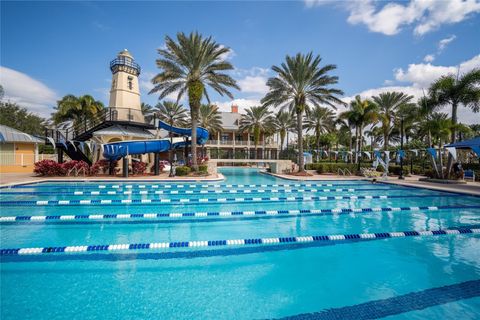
[(181, 192), (232, 242), (195, 185), (142, 216), (202, 200)]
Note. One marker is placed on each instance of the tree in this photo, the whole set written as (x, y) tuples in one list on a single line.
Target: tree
[(284, 122), (388, 104), (441, 128), (174, 115), (210, 119), (148, 111), (17, 117), (300, 82), (190, 65), (360, 113), (257, 121), (456, 91), (321, 120), (76, 109)]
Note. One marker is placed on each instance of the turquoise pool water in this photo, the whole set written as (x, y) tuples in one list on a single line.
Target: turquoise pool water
[(414, 277)]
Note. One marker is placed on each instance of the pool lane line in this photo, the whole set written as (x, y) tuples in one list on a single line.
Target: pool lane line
[(202, 200), (143, 216), (234, 242), (198, 186), (182, 192)]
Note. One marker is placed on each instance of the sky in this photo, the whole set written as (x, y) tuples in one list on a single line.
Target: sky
[(50, 49)]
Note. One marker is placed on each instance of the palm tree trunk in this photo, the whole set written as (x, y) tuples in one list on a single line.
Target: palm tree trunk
[(454, 137), (300, 141), (356, 144), (170, 156), (440, 156)]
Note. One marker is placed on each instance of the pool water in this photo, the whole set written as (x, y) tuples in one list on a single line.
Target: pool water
[(406, 277)]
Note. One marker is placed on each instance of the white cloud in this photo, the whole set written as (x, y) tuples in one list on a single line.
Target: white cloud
[(442, 44), (422, 75), (425, 15), (27, 92), (229, 55), (255, 84), (429, 58), (242, 104)]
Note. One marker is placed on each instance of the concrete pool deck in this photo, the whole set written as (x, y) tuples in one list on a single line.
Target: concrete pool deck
[(11, 179)]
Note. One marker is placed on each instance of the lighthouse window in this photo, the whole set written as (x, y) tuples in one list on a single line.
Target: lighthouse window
[(130, 83)]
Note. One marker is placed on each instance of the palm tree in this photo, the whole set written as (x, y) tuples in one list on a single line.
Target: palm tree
[(210, 119), (76, 109), (284, 122), (321, 120), (188, 66), (148, 111), (441, 128), (360, 113), (257, 121), (299, 82), (173, 114), (456, 91), (388, 104)]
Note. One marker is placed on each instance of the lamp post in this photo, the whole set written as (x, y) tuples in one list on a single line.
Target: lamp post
[(401, 177)]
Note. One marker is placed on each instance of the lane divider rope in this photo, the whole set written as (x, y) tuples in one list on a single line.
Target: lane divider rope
[(137, 216), (232, 242), (172, 186), (202, 200), (283, 190)]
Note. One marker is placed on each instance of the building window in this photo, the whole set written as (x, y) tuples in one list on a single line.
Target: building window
[(130, 83)]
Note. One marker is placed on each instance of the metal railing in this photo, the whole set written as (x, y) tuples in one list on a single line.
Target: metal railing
[(105, 115), (125, 61)]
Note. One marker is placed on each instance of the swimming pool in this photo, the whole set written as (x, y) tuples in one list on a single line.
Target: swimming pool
[(252, 246)]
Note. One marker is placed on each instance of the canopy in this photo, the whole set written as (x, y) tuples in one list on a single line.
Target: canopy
[(466, 144)]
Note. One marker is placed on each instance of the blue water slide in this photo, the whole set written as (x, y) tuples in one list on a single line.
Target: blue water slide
[(117, 150), (202, 134)]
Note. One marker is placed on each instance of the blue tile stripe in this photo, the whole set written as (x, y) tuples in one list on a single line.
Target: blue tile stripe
[(201, 200), (232, 242), (141, 216), (183, 192), (194, 186)]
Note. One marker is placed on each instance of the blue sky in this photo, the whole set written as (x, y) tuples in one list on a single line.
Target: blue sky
[(49, 49)]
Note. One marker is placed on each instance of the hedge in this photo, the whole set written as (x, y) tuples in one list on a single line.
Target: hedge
[(183, 171)]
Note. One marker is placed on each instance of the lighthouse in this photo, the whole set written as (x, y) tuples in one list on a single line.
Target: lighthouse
[(125, 91)]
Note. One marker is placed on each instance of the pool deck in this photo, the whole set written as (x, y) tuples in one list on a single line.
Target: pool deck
[(470, 188), (11, 179)]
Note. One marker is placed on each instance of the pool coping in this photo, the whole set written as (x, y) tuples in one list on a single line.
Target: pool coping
[(220, 177), (405, 183)]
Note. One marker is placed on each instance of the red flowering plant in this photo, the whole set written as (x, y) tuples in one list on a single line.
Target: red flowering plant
[(75, 167), (138, 167), (48, 168)]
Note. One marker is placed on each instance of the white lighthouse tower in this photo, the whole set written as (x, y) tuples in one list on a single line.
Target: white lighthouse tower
[(125, 91)]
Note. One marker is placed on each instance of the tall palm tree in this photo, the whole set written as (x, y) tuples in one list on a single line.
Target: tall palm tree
[(257, 121), (173, 114), (148, 111), (299, 82), (76, 109), (388, 104), (441, 128), (188, 66), (360, 113), (284, 122), (321, 120), (456, 91), (210, 119)]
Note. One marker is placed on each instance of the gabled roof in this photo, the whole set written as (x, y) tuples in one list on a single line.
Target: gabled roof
[(8, 134), (230, 120)]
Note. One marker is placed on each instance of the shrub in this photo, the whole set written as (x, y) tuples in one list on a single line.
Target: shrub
[(138, 167), (395, 169), (203, 168), (48, 168), (183, 170), (101, 166), (75, 167)]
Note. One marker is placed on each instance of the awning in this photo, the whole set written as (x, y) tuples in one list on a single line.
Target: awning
[(124, 131), (466, 144)]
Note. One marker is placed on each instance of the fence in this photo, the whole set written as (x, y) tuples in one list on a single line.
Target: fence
[(23, 159)]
